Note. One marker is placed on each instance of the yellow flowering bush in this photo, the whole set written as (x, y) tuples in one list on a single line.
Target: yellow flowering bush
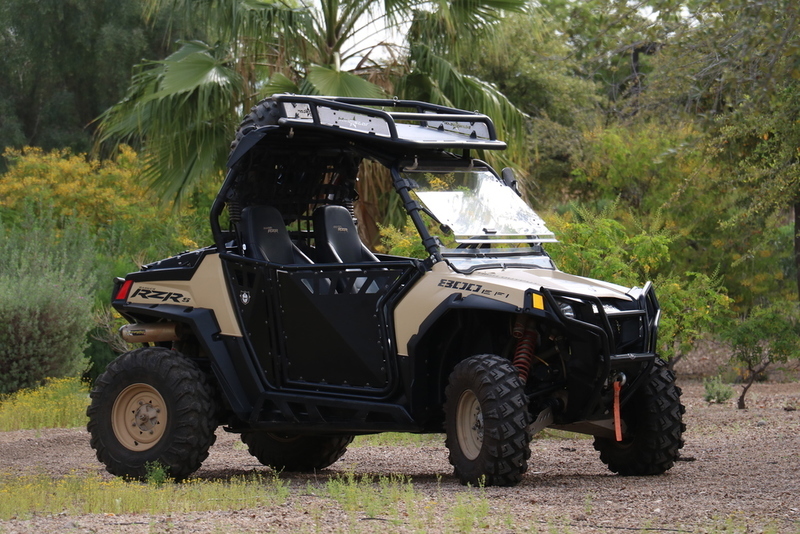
[(72, 185), (110, 197)]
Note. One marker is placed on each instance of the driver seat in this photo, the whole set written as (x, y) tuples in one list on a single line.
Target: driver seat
[(336, 237)]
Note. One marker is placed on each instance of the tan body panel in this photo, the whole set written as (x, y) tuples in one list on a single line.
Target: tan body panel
[(504, 285), (436, 286), (207, 289)]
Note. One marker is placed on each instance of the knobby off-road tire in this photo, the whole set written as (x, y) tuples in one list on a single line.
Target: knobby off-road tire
[(265, 113), (295, 453), (486, 422), (152, 405), (654, 433)]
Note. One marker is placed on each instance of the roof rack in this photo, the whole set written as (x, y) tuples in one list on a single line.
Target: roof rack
[(429, 126)]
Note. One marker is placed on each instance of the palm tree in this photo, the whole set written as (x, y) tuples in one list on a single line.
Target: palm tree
[(183, 109)]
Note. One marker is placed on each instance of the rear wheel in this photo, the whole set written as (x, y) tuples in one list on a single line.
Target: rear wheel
[(654, 428), (295, 453), (151, 405), (486, 421)]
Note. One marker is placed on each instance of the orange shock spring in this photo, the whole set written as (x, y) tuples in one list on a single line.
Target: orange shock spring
[(524, 330)]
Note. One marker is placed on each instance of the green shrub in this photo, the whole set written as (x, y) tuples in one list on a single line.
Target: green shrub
[(403, 241), (717, 392), (157, 474), (597, 245), (46, 278), (98, 355)]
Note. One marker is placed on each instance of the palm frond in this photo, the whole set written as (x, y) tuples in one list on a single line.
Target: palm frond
[(192, 68), (278, 83), (184, 107), (341, 83)]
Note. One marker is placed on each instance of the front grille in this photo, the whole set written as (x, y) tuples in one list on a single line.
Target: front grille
[(623, 326)]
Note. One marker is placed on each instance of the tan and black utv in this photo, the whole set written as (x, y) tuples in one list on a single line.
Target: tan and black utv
[(289, 331)]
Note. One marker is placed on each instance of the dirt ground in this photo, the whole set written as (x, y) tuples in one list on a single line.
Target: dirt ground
[(739, 472)]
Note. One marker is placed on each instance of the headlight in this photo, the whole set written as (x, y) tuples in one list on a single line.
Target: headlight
[(566, 309)]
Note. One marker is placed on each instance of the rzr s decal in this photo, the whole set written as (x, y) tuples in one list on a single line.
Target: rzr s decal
[(163, 296)]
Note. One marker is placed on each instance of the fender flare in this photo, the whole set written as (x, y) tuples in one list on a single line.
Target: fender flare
[(235, 379), (457, 301)]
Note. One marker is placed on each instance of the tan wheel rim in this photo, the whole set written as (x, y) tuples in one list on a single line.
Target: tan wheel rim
[(139, 417), (469, 425)]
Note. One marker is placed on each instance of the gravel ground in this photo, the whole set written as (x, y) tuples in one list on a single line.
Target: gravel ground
[(739, 472)]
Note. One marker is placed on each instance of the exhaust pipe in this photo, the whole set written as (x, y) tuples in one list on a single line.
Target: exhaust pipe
[(150, 332)]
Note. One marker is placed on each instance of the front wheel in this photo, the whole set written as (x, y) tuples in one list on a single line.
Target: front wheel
[(654, 433), (151, 406), (295, 452), (486, 422)]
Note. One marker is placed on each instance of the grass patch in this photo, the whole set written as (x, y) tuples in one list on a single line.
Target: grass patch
[(405, 439), (76, 494), (386, 503), (60, 403), (552, 433), (471, 512), (389, 498), (354, 503)]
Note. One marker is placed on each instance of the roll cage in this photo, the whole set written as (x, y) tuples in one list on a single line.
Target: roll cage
[(310, 152)]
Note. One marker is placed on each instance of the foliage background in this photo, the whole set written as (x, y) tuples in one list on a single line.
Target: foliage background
[(659, 139), (68, 226)]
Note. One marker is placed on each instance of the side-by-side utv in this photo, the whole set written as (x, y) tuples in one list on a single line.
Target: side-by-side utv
[(289, 331)]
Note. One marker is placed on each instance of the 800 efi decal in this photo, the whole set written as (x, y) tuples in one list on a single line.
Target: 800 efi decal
[(475, 288)]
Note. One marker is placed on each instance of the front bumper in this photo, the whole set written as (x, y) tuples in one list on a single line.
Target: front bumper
[(607, 338)]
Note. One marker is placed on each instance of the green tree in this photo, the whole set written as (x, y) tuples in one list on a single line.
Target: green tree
[(62, 64), (761, 146), (662, 169), (527, 57), (766, 335), (734, 66), (723, 54)]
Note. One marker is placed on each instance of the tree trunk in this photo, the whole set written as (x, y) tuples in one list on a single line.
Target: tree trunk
[(754, 372), (740, 404), (675, 359)]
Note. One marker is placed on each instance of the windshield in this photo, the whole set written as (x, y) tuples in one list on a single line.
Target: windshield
[(478, 207), (491, 224)]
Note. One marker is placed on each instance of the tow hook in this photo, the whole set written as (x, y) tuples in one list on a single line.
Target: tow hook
[(619, 381)]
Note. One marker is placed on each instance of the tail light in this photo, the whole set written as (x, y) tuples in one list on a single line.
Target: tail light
[(122, 294)]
